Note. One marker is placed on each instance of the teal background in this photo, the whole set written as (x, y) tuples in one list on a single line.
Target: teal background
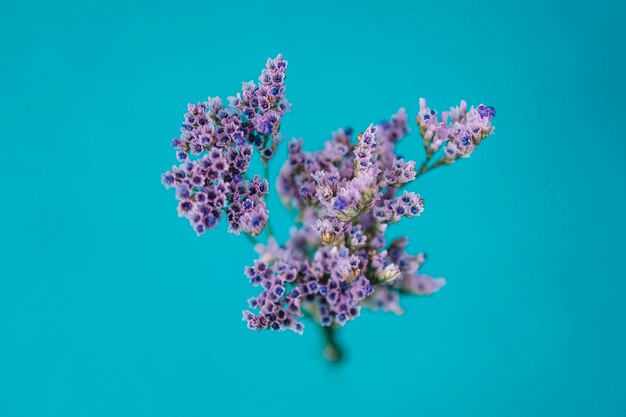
[(110, 305)]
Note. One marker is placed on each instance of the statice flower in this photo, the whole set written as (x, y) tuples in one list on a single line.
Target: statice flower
[(399, 173), (330, 231), (407, 205), (344, 197), (247, 210), (279, 301), (432, 130), (461, 130), (215, 147), (467, 133)]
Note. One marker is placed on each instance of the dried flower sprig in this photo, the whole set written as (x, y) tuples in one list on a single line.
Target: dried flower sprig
[(337, 259), (222, 140)]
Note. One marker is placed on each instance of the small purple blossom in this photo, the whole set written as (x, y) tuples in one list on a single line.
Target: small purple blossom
[(329, 231), (486, 111)]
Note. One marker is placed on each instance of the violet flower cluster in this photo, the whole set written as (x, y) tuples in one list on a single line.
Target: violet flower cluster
[(214, 148), (344, 196)]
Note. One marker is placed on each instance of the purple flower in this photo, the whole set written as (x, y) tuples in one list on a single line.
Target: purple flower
[(247, 211), (486, 111), (344, 196), (465, 134), (279, 306), (430, 127), (459, 129), (399, 173), (330, 231), (217, 136), (422, 284), (366, 149)]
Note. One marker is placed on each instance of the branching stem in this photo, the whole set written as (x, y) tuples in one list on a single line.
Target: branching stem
[(425, 168)]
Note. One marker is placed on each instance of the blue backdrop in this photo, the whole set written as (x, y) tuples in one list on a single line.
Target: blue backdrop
[(111, 306)]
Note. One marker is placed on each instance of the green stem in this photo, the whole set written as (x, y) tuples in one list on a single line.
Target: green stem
[(424, 168), (332, 351)]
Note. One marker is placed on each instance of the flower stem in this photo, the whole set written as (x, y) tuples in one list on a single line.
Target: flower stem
[(332, 351), (424, 168)]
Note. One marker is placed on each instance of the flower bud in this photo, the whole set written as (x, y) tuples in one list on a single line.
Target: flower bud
[(351, 274), (389, 273), (330, 232)]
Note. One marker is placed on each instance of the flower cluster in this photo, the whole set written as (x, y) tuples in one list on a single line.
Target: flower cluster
[(346, 195), (215, 147), (460, 129), (337, 260)]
